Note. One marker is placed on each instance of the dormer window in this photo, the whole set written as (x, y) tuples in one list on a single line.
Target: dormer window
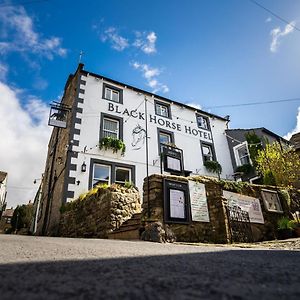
[(112, 93), (162, 109), (202, 122)]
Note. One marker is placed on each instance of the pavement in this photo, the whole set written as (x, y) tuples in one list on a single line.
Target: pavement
[(62, 268)]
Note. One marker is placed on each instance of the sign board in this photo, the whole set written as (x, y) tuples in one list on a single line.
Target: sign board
[(176, 202), (271, 201), (172, 160), (199, 208), (58, 117), (246, 203)]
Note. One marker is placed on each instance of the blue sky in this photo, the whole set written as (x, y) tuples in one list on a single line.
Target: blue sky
[(207, 52)]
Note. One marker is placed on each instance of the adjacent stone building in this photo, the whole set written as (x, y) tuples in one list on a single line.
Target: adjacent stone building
[(239, 142)]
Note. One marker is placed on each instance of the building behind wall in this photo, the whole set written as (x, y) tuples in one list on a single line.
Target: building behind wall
[(238, 143), (102, 107)]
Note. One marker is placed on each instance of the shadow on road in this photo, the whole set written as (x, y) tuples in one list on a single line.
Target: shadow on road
[(238, 274)]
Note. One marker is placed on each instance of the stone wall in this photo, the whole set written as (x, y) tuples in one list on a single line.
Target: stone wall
[(217, 230), (99, 212), (54, 181)]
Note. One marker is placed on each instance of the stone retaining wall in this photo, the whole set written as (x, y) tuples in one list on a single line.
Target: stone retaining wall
[(99, 212), (217, 230)]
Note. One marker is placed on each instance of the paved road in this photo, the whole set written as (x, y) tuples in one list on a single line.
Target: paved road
[(59, 268)]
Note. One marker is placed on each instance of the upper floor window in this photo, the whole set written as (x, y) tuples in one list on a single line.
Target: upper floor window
[(162, 109), (241, 153), (111, 128), (164, 137), (112, 93), (207, 152), (202, 122)]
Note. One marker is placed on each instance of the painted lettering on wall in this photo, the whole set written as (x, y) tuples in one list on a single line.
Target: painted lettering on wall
[(160, 121)]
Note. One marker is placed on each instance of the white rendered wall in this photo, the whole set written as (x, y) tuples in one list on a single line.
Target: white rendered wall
[(3, 187), (181, 117)]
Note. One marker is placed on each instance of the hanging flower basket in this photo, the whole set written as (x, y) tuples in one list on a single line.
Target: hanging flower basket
[(112, 143)]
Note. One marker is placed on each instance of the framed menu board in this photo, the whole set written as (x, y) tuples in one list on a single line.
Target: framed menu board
[(176, 202)]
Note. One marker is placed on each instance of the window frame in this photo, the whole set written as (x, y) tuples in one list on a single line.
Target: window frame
[(103, 165), (207, 121), (214, 158), (108, 131), (113, 166), (166, 132), (121, 168), (167, 105), (113, 88), (236, 153), (107, 116)]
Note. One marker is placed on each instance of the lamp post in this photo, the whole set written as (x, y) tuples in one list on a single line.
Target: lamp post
[(147, 158)]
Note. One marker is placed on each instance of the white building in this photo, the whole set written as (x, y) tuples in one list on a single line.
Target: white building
[(102, 107), (3, 190)]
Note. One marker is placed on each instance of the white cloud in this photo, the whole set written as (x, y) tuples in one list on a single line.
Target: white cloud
[(150, 74), (296, 129), (24, 138), (277, 35), (3, 71), (117, 42), (18, 35), (146, 42), (195, 105), (268, 20)]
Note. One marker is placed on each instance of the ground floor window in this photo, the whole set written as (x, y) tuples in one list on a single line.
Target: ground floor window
[(122, 175), (101, 174), (108, 172)]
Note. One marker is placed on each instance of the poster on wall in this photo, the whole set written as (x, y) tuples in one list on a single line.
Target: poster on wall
[(199, 208), (271, 201), (176, 202), (246, 203)]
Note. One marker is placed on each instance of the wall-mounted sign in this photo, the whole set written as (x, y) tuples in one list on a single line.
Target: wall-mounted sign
[(271, 201), (161, 122), (176, 202), (172, 159), (58, 116), (246, 203), (198, 200)]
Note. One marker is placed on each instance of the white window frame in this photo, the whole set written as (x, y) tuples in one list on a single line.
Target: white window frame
[(108, 131), (236, 153), (158, 109), (109, 173), (122, 168), (205, 155), (170, 137), (110, 96)]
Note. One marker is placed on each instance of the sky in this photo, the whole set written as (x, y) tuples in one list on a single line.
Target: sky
[(210, 54)]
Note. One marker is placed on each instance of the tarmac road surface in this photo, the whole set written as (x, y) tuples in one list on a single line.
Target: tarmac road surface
[(60, 268)]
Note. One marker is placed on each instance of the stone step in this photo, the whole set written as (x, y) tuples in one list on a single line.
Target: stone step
[(126, 227), (125, 235)]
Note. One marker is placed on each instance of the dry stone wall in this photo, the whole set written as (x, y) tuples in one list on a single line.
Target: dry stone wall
[(218, 229), (99, 212)]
